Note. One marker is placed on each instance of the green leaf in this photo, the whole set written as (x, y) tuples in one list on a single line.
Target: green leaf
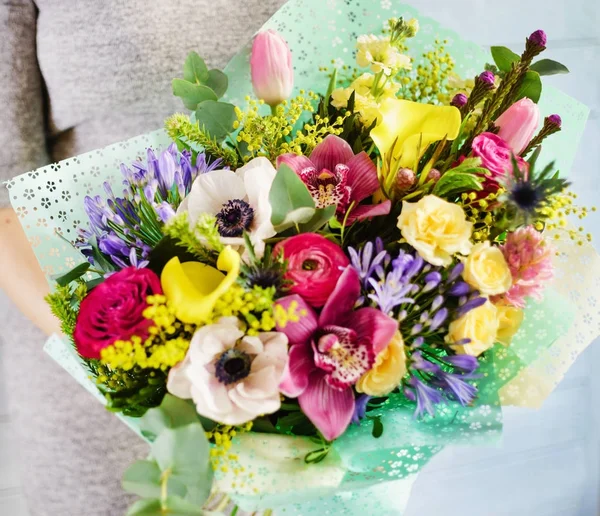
[(318, 220), (377, 427), (192, 94), (548, 67), (316, 456), (216, 118), (143, 479), (504, 58), (174, 507), (218, 82), (172, 413), (194, 69), (291, 202), (185, 451), (455, 181), (332, 85), (76, 273), (531, 87), (148, 507)]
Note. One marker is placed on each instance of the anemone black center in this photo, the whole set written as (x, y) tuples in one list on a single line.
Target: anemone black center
[(235, 217), (232, 366)]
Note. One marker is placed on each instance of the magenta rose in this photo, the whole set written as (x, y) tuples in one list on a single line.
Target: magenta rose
[(114, 311), (314, 266), (495, 155)]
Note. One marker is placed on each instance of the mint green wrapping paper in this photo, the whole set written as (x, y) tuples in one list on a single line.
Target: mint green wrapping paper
[(361, 475)]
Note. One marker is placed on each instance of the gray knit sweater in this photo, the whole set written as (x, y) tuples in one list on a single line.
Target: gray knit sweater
[(77, 75)]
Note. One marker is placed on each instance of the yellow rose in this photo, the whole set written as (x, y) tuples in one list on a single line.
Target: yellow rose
[(487, 271), (388, 371), (437, 229), (509, 321), (480, 325)]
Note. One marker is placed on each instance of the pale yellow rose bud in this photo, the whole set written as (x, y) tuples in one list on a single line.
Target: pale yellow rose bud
[(509, 322), (388, 371), (480, 325), (487, 271), (437, 229)]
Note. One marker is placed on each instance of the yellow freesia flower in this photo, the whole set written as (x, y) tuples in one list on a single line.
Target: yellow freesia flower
[(408, 128), (193, 288)]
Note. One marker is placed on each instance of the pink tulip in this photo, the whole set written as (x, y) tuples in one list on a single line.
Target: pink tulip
[(271, 67), (518, 124)]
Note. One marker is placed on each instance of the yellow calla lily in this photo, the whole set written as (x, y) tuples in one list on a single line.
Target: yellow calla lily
[(193, 288), (410, 127)]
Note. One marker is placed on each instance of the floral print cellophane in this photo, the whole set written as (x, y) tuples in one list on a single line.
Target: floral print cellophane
[(554, 332)]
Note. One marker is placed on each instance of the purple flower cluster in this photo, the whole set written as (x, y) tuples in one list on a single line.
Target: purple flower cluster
[(127, 228)]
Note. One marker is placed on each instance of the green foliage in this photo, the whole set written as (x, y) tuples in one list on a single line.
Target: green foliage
[(504, 58), (179, 231), (465, 177), (177, 477), (64, 305), (548, 67), (290, 200), (73, 274), (216, 118), (377, 427), (189, 135), (531, 87), (199, 84)]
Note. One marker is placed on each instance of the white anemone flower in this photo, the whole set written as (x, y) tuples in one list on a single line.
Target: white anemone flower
[(239, 200)]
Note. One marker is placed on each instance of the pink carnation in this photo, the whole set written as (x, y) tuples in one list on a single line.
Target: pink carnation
[(529, 258)]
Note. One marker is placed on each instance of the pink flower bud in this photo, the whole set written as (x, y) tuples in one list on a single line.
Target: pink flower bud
[(518, 124), (271, 67)]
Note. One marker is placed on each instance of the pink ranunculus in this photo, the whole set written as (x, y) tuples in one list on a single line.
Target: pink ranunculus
[(271, 68), (114, 311), (529, 258), (330, 352), (334, 175), (518, 124), (314, 265), (496, 156)]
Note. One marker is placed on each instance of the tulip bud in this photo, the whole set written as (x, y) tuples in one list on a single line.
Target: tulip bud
[(518, 124), (271, 68)]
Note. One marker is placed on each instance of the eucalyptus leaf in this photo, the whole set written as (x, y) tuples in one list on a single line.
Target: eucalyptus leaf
[(64, 279), (216, 118), (291, 202), (548, 67), (147, 507), (531, 87), (218, 82), (192, 94), (185, 451), (172, 413), (143, 479), (318, 220), (504, 58), (194, 69), (179, 507), (297, 217), (377, 428), (174, 507)]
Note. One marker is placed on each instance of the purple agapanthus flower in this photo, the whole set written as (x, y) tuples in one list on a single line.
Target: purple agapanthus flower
[(126, 228), (360, 408)]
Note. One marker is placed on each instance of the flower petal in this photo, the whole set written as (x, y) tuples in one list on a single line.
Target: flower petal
[(178, 383), (373, 324), (297, 370), (213, 189), (275, 352), (260, 385), (330, 152), (342, 299), (295, 162), (330, 410), (251, 345), (258, 177), (295, 318), (362, 177), (367, 211)]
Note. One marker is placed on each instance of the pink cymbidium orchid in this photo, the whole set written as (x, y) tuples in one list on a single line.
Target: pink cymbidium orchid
[(330, 352), (334, 175)]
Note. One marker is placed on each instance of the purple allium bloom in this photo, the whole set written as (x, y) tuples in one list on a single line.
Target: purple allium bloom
[(427, 397), (360, 408), (487, 78), (538, 38), (554, 120), (459, 100)]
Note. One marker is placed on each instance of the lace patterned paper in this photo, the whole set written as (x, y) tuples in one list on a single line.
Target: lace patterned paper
[(361, 475)]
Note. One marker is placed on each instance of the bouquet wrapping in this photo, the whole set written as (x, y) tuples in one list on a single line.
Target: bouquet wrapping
[(287, 463)]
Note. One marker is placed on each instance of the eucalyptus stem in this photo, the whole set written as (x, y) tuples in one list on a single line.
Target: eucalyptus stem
[(164, 492)]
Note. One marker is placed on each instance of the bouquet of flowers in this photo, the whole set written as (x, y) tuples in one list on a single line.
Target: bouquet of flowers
[(298, 298)]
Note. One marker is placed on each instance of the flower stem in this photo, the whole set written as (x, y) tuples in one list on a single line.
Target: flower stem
[(164, 492)]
